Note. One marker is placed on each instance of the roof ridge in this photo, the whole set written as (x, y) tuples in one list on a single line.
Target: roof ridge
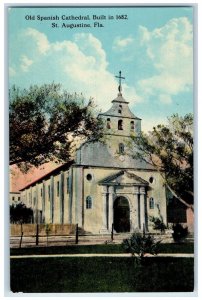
[(59, 168)]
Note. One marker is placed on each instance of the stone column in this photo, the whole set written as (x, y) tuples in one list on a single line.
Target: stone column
[(111, 209), (43, 202), (79, 196), (103, 229), (52, 206), (142, 208), (36, 203), (70, 196), (135, 215), (61, 197)]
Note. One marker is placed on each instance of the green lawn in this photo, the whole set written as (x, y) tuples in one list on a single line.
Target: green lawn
[(102, 274), (76, 249)]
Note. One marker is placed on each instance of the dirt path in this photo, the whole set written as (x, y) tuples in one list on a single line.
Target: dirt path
[(101, 255)]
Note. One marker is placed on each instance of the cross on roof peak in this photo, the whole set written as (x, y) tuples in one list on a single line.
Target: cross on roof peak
[(120, 77)]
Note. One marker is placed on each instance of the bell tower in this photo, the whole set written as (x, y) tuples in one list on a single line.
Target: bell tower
[(120, 124), (120, 121)]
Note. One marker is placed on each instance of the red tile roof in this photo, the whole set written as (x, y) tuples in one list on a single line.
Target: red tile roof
[(53, 172)]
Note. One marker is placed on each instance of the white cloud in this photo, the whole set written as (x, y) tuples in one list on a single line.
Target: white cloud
[(166, 99), (25, 63), (121, 43), (131, 94), (149, 122), (91, 46), (80, 65), (169, 49), (39, 38)]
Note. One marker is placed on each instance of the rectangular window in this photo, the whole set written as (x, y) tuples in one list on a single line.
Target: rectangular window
[(49, 192), (58, 188), (18, 198), (67, 185), (41, 192), (13, 198), (34, 198)]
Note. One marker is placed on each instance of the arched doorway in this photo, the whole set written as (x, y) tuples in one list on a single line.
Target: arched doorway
[(121, 215)]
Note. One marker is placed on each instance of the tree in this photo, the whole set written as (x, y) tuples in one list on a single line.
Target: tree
[(44, 122), (179, 232), (20, 214), (169, 148)]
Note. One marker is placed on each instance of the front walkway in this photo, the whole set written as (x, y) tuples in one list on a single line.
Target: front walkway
[(102, 255)]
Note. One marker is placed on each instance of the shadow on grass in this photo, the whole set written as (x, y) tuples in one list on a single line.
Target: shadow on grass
[(101, 274), (81, 249)]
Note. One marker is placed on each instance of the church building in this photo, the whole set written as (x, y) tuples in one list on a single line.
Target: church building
[(104, 184)]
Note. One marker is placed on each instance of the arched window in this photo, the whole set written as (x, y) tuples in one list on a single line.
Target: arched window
[(88, 202), (120, 125), (121, 148), (132, 125), (120, 109), (108, 123), (151, 203)]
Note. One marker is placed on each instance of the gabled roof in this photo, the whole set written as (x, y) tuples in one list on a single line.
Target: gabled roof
[(113, 111), (53, 172), (123, 178)]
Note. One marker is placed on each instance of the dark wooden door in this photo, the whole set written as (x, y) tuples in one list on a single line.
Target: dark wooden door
[(121, 215)]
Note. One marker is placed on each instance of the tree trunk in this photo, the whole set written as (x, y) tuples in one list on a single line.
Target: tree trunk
[(180, 199)]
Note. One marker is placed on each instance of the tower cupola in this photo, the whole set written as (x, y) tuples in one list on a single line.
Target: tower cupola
[(119, 118)]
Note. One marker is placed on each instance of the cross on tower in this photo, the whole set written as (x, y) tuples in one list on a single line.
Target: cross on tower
[(120, 77)]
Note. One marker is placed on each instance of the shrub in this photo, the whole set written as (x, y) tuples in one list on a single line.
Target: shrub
[(179, 232), (140, 244), (158, 224), (20, 214)]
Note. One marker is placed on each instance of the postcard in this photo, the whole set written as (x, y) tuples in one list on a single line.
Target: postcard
[(101, 148)]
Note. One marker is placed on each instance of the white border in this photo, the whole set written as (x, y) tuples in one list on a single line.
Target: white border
[(4, 154)]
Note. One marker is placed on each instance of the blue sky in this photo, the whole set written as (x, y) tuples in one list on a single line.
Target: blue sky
[(153, 48)]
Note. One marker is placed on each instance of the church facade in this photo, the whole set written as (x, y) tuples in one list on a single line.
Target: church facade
[(104, 185)]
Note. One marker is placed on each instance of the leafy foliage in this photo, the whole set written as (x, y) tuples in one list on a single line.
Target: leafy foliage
[(20, 214), (169, 148), (141, 244), (44, 122), (158, 223), (179, 232)]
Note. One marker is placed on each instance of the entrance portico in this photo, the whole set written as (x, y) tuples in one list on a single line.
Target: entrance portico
[(124, 202)]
